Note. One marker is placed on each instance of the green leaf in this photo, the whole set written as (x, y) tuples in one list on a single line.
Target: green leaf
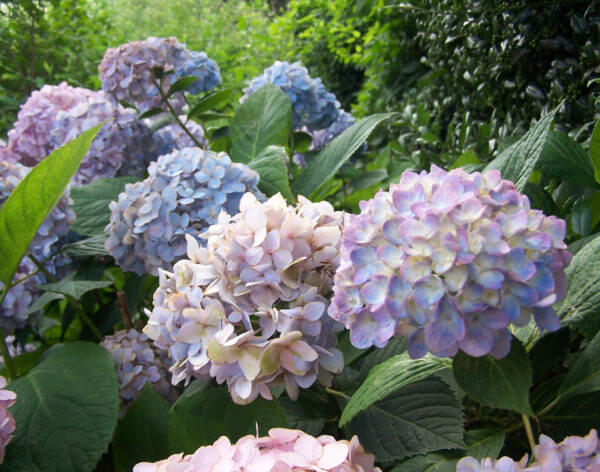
[(213, 101), (574, 416), (499, 383), (181, 84), (270, 165), (264, 119), (581, 219), (540, 199), (466, 158), (327, 161), (565, 159), (394, 347), (75, 288), (486, 442), (200, 418), (43, 300), (518, 161), (302, 141), (150, 113), (549, 351), (393, 374), (420, 418), (93, 246), (308, 413), (24, 362), (580, 306), (90, 203), (35, 196), (368, 179), (584, 376), (432, 462), (142, 434), (595, 151), (66, 411)]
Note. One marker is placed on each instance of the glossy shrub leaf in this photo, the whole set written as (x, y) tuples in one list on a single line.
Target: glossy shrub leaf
[(75, 288), (181, 84), (584, 376), (142, 434), (595, 151), (389, 376), (90, 203), (270, 165), (581, 219), (420, 418), (487, 442), (518, 161), (499, 383), (92, 246), (201, 417), (213, 101), (66, 411), (35, 196), (264, 119), (327, 161), (444, 461), (580, 306)]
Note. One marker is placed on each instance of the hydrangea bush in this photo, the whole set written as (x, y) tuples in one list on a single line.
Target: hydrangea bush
[(7, 421)]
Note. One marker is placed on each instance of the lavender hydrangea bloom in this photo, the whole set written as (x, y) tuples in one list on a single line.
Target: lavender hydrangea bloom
[(282, 450), (450, 260), (249, 308), (573, 454), (137, 363), (183, 194), (7, 421), (172, 137), (127, 71), (312, 105)]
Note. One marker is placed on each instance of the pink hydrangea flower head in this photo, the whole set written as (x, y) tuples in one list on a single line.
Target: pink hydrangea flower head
[(450, 260), (7, 421), (249, 309), (283, 450)]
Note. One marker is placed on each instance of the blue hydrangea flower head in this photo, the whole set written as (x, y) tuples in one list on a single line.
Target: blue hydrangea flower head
[(449, 260), (312, 105), (183, 194), (198, 64)]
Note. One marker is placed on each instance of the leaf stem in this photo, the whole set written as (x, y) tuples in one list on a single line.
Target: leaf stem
[(549, 406), (336, 393), (529, 432), (8, 362)]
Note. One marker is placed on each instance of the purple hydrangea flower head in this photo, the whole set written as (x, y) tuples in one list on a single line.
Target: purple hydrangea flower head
[(138, 363), (312, 105), (450, 260), (198, 64), (283, 450), (183, 194), (249, 309), (7, 421), (504, 464), (172, 137)]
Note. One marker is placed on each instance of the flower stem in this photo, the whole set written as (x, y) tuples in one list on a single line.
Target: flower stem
[(529, 432), (336, 393), (8, 362)]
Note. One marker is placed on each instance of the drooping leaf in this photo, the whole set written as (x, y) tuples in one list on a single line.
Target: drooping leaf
[(181, 84), (142, 434), (33, 199), (327, 161), (200, 418), (150, 113), (264, 119), (270, 165), (66, 411), (420, 418), (90, 203), (486, 442), (389, 376), (584, 376), (75, 288), (213, 101), (518, 161), (92, 246), (575, 415), (595, 151), (540, 199), (444, 461), (499, 383)]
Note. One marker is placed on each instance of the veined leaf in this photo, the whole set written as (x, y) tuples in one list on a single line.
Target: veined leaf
[(584, 376), (270, 165)]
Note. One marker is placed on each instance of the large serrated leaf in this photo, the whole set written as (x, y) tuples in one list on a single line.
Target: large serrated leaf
[(486, 442), (420, 418), (90, 203), (270, 165), (393, 374), (142, 434), (575, 415), (66, 411), (444, 461), (75, 288), (584, 376), (327, 161), (499, 383), (33, 199), (264, 119), (92, 246), (518, 161)]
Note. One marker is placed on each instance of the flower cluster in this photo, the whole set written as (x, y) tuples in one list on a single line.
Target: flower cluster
[(312, 105), (172, 137), (449, 259), (7, 421), (55, 115), (573, 454), (183, 194), (128, 72), (249, 308), (136, 364), (283, 450)]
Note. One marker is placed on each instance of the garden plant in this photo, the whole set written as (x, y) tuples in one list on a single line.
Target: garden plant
[(197, 277)]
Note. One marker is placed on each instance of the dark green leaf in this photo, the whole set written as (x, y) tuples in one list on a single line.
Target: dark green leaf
[(420, 418), (499, 383), (43, 300), (584, 376), (90, 203), (327, 161), (151, 112), (540, 199), (24, 362), (75, 288), (264, 119), (66, 411), (35, 196), (142, 434), (487, 442), (466, 158), (368, 179), (581, 219), (308, 413), (518, 161), (433, 462), (595, 151), (181, 84), (575, 415), (549, 351), (302, 141), (213, 101), (393, 348), (350, 352), (270, 165), (389, 376), (93, 246)]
